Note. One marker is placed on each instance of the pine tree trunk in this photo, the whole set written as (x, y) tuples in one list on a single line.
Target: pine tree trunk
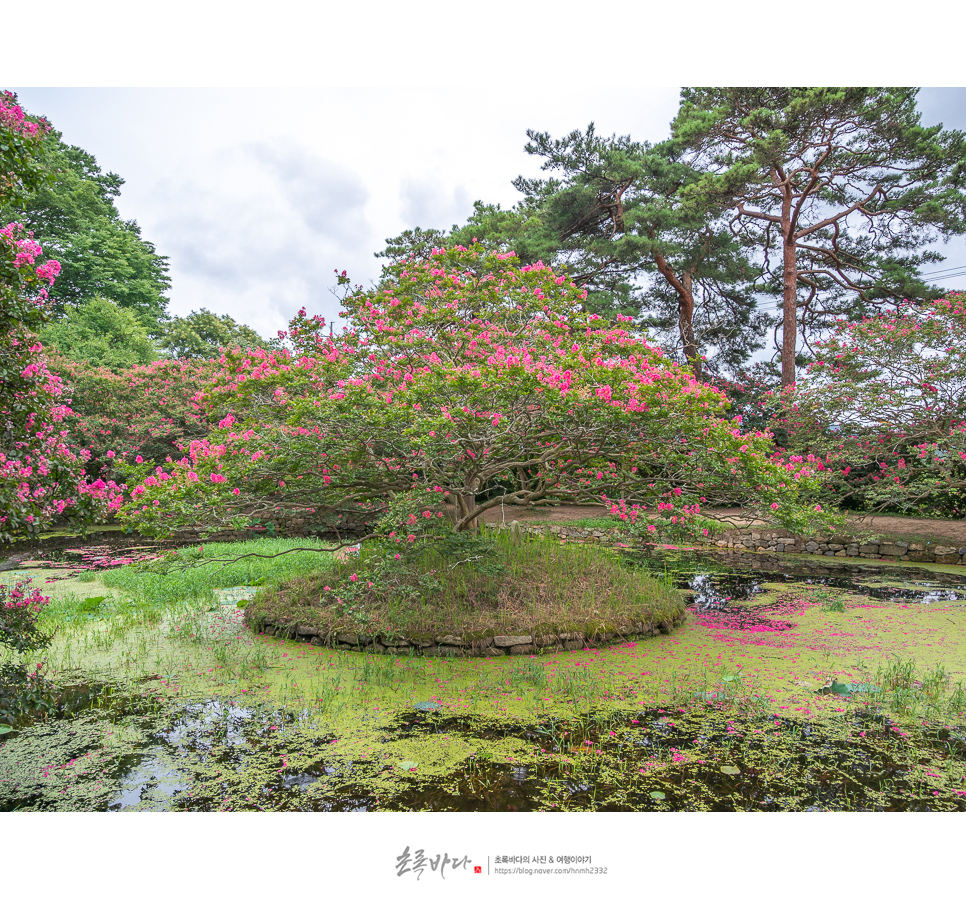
[(789, 291), (686, 325)]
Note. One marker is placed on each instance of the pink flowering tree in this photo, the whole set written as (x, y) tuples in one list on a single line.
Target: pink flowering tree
[(882, 408), (464, 382), (148, 410), (41, 477)]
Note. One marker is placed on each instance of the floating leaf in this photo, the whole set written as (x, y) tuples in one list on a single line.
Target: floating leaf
[(658, 796), (428, 707), (731, 771), (710, 696), (91, 603), (4, 729), (833, 686), (407, 764)]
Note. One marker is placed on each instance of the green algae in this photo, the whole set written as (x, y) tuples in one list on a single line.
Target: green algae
[(241, 721)]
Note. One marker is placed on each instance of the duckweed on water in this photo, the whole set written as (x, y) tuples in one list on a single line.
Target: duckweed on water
[(179, 709)]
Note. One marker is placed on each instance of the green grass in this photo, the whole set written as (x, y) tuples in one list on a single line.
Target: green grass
[(533, 586), (192, 573)]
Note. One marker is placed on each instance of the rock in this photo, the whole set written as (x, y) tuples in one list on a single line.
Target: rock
[(307, 631), (449, 640), (920, 557), (892, 549), (945, 550), (811, 546), (510, 641), (869, 548), (527, 649), (416, 643)]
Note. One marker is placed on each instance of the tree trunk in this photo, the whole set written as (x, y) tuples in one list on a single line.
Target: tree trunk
[(789, 296), (682, 287), (686, 324)]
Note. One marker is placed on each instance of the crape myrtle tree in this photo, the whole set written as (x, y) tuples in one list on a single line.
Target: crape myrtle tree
[(883, 408), (612, 219), (41, 477), (840, 186), (147, 410), (462, 382)]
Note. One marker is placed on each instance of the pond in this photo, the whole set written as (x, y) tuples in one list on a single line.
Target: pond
[(792, 687)]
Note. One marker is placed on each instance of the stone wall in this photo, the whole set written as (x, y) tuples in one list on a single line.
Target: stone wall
[(463, 646), (780, 541), (750, 540)]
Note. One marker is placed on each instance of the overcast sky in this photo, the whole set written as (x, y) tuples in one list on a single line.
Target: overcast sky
[(258, 196)]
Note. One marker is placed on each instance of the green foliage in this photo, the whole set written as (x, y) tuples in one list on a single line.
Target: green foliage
[(202, 334), (100, 333), (615, 214), (75, 219), (840, 188)]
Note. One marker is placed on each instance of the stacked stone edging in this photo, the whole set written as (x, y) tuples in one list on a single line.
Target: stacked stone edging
[(771, 541), (781, 541), (462, 647)]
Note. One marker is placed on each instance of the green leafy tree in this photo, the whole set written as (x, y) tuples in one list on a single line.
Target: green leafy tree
[(615, 214), (101, 333), (201, 334), (840, 186), (75, 219)]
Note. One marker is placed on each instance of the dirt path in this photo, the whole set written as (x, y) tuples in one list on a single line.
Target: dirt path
[(953, 531)]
